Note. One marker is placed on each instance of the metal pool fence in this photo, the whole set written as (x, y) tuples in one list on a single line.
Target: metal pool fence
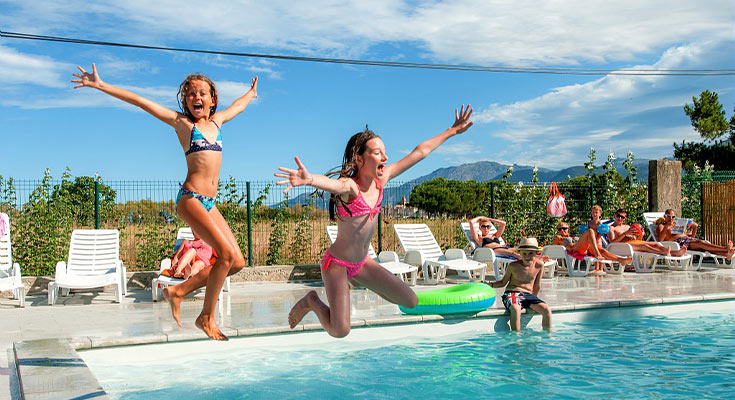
[(270, 227)]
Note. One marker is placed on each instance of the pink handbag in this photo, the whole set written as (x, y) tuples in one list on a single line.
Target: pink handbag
[(556, 207)]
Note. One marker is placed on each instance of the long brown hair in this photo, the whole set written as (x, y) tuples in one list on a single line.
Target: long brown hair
[(355, 146), (184, 87)]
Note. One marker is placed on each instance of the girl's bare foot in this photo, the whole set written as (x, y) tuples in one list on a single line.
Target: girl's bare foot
[(174, 300), (627, 260), (207, 324), (300, 309), (679, 252)]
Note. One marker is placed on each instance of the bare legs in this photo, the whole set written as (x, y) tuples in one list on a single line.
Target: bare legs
[(587, 244), (728, 251), (657, 248), (213, 229), (541, 308), (335, 318)]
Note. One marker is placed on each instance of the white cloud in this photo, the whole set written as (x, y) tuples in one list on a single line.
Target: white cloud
[(458, 149), (618, 113), (460, 31), (17, 69)]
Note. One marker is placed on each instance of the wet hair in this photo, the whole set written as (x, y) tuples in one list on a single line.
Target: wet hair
[(621, 211), (355, 146), (184, 87)]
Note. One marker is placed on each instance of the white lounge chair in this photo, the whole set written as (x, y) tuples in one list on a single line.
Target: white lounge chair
[(94, 261), (158, 283), (558, 256), (10, 278), (422, 249), (386, 259)]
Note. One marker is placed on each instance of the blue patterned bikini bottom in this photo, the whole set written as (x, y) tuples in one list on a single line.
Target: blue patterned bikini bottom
[(207, 202)]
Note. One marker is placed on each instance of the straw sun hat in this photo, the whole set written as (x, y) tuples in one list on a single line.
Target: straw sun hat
[(528, 244)]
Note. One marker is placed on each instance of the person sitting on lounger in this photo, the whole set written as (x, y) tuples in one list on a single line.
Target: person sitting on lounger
[(664, 232), (484, 238), (562, 237), (590, 244), (631, 234)]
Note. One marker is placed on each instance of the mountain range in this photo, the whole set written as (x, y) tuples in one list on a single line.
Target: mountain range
[(483, 171)]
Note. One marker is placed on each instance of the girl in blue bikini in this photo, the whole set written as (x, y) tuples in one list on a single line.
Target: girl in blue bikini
[(198, 128), (357, 195)]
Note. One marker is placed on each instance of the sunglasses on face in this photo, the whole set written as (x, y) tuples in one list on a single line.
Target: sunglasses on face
[(485, 226), (621, 216), (563, 228)]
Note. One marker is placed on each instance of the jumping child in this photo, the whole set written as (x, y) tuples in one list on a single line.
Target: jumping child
[(357, 195), (197, 127)]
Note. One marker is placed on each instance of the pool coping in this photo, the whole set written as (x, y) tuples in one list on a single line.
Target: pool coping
[(37, 362)]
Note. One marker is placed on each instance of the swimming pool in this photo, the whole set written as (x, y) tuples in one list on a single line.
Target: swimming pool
[(642, 352)]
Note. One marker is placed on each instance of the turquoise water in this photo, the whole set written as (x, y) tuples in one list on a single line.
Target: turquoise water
[(647, 357)]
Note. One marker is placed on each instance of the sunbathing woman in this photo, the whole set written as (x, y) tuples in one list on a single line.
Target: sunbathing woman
[(357, 195), (562, 237), (197, 127), (486, 238)]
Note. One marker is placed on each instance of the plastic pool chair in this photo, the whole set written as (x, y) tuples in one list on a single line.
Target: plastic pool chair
[(651, 217), (422, 249), (162, 281), (386, 259), (558, 255), (10, 278), (94, 261)]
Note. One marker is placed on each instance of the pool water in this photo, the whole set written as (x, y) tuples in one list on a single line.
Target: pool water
[(639, 357)]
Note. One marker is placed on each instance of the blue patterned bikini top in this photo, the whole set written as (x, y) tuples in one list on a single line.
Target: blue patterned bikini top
[(200, 143)]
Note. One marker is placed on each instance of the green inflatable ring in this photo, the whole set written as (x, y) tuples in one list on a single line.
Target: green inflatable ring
[(471, 297)]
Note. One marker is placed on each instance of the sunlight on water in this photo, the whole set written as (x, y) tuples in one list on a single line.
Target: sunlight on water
[(651, 357)]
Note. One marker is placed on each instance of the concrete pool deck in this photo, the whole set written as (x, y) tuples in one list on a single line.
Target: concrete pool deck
[(90, 319)]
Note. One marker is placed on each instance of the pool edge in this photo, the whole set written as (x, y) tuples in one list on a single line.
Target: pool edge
[(37, 361)]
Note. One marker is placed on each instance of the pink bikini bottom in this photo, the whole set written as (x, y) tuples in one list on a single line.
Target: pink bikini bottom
[(352, 267)]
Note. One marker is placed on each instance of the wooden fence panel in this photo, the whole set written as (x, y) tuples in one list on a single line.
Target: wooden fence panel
[(718, 211)]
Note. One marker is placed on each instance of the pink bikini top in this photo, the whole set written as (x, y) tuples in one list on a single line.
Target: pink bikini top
[(359, 206)]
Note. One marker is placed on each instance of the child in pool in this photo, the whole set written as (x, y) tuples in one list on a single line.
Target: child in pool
[(197, 127), (356, 199), (522, 282)]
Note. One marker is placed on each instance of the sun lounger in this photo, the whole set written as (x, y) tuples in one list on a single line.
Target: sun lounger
[(94, 261), (422, 249), (10, 278)]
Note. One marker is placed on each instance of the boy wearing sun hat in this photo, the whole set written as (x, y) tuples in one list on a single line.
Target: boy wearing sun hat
[(522, 282)]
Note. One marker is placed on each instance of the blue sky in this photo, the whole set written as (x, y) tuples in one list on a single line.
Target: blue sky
[(311, 109)]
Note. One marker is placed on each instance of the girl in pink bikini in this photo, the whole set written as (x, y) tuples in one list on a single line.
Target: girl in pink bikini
[(357, 195)]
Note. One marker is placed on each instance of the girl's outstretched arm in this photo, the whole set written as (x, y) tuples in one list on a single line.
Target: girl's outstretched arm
[(238, 105), (461, 124), (93, 80), (300, 177)]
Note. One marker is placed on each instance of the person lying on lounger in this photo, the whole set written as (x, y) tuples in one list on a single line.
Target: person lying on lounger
[(633, 235), (664, 232), (484, 238)]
